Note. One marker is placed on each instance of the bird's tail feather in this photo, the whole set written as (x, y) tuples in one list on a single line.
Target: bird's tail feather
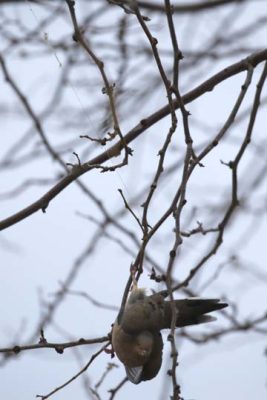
[(134, 374), (192, 311)]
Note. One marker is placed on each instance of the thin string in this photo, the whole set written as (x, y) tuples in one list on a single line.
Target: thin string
[(75, 92)]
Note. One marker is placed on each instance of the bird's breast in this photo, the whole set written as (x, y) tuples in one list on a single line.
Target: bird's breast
[(132, 350)]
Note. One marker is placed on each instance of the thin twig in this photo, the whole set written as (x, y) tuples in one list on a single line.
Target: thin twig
[(94, 356)]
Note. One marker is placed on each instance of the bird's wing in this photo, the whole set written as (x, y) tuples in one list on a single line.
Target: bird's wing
[(145, 314), (153, 313), (152, 367)]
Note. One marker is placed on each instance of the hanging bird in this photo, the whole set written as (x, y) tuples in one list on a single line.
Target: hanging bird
[(136, 337)]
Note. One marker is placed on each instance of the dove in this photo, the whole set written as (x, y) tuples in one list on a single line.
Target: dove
[(136, 336)]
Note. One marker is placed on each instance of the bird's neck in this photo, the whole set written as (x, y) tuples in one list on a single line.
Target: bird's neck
[(136, 295)]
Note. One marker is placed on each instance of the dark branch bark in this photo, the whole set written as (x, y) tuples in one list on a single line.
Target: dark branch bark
[(207, 86)]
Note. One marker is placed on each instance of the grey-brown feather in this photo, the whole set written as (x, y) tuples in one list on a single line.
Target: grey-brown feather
[(136, 336), (153, 313)]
